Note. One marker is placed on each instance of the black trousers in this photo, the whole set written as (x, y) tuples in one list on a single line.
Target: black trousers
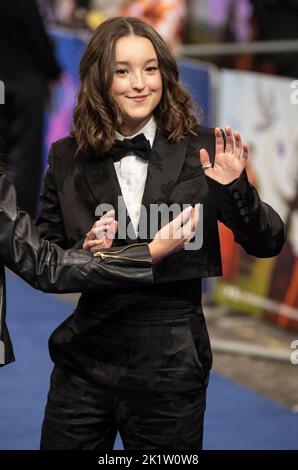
[(145, 379)]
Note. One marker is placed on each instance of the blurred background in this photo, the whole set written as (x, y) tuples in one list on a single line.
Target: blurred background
[(239, 60)]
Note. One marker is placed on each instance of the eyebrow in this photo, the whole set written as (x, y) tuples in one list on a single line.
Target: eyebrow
[(127, 63)]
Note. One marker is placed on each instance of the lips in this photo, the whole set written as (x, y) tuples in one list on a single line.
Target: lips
[(138, 98)]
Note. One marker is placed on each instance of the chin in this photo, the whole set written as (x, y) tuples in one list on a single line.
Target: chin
[(138, 116)]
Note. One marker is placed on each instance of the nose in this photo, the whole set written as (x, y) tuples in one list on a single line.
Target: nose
[(137, 81)]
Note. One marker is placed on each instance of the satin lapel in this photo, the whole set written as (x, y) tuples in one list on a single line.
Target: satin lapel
[(102, 182), (165, 165), (99, 181)]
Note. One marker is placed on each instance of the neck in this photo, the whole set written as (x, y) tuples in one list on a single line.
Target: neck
[(132, 127)]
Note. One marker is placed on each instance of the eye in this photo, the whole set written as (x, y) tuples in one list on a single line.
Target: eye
[(121, 71), (151, 69)]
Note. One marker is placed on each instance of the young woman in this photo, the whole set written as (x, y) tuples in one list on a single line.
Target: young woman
[(134, 149)]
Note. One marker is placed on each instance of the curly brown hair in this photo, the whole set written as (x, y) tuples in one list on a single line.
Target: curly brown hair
[(96, 115)]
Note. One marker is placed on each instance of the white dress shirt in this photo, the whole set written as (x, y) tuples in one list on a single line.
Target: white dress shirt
[(132, 173)]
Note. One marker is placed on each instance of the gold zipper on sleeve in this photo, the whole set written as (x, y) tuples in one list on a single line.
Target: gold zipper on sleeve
[(104, 255)]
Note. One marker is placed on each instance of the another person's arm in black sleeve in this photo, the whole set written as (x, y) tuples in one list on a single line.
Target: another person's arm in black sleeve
[(47, 267)]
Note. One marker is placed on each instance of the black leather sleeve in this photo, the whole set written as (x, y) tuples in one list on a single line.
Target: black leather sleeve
[(48, 267), (6, 348)]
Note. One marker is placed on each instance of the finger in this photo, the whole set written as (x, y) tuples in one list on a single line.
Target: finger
[(195, 216), (182, 218), (112, 230), (192, 223), (186, 227), (205, 160), (101, 232), (85, 244), (107, 215), (107, 231), (105, 244), (103, 220), (238, 144), (219, 141), (90, 235), (244, 156), (229, 139), (204, 157), (93, 243), (110, 213), (177, 233)]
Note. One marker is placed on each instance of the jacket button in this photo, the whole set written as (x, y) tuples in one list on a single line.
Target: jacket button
[(242, 211), (246, 219), (236, 195), (239, 203)]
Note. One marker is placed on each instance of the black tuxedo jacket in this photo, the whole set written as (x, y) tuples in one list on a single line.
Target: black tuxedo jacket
[(74, 187)]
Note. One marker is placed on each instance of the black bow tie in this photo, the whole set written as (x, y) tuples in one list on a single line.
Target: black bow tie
[(139, 145)]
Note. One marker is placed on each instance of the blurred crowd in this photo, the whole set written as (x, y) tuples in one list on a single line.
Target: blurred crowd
[(167, 16), (196, 21)]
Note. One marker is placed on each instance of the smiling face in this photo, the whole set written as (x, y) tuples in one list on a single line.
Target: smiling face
[(137, 82)]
